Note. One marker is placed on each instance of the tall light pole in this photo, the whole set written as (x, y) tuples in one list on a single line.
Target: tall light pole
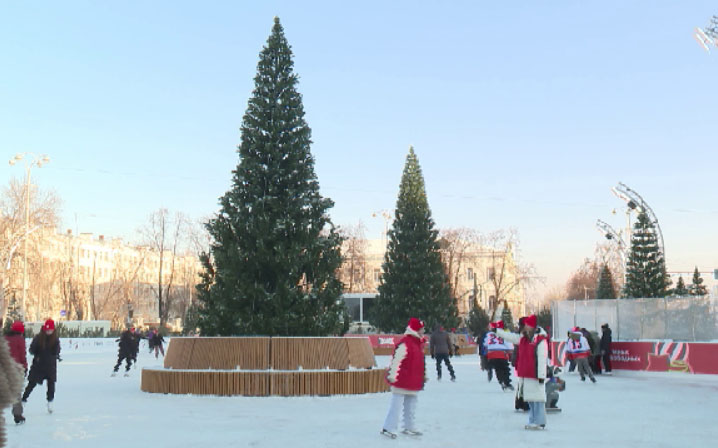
[(30, 160)]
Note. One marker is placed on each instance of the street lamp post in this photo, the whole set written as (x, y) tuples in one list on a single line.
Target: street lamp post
[(30, 160)]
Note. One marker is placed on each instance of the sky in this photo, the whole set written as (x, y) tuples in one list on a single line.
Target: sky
[(93, 409), (522, 114)]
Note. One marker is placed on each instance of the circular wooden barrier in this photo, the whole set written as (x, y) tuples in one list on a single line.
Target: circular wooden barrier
[(263, 366)]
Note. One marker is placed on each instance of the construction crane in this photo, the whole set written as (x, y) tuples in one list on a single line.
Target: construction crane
[(708, 36)]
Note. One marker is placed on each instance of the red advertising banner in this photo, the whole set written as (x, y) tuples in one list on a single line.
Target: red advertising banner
[(694, 357)]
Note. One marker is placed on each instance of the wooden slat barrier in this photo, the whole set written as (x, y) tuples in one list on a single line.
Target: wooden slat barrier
[(258, 383), (262, 366)]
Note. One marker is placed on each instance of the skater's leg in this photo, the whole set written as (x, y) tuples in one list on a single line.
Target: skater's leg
[(120, 358), (438, 365), (607, 362), (128, 364), (391, 422), (449, 366), (28, 390), (162, 350), (17, 412), (50, 390), (410, 402)]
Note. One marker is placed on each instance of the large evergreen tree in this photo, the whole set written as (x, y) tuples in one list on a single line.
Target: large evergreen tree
[(272, 263), (697, 288), (414, 283), (646, 268), (681, 289), (605, 288)]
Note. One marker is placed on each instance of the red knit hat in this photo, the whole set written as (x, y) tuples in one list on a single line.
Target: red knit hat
[(415, 324), (49, 325), (530, 321), (17, 327)]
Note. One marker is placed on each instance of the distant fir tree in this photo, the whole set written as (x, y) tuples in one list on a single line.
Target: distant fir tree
[(646, 274), (272, 264), (508, 319), (14, 311), (697, 288), (478, 320), (605, 288), (414, 283), (681, 289)]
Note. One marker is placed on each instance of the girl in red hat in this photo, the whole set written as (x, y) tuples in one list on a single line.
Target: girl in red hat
[(531, 369), (406, 375), (16, 341), (45, 347)]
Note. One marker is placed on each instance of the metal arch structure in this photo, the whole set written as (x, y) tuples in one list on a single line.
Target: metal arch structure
[(610, 233), (708, 36), (634, 201)]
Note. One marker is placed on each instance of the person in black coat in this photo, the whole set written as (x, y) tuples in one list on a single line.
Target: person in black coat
[(126, 350), (158, 343), (606, 348), (45, 348)]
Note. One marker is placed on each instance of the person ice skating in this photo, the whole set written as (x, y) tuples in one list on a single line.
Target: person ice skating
[(440, 349), (554, 385), (45, 348), (150, 334), (406, 375), (15, 338), (498, 355), (532, 360), (484, 362), (606, 349), (578, 349), (454, 338), (126, 350), (157, 342), (10, 383)]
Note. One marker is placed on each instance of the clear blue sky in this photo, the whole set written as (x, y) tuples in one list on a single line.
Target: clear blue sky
[(522, 114)]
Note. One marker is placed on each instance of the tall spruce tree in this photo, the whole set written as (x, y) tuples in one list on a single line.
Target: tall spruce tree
[(697, 288), (605, 288), (414, 283), (681, 289), (272, 263), (646, 274)]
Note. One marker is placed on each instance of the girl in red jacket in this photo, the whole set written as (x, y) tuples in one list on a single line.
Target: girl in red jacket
[(406, 375), (16, 341)]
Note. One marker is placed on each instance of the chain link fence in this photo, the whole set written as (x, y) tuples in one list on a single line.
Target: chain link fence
[(674, 318)]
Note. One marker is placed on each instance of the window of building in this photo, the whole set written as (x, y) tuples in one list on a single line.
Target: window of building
[(490, 273), (470, 273), (377, 275)]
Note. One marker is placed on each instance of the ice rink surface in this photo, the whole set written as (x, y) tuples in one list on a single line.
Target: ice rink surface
[(629, 409)]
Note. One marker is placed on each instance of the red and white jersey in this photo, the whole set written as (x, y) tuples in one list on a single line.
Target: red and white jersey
[(577, 348), (496, 347)]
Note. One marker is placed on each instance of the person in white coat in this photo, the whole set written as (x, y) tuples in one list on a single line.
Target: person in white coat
[(531, 368)]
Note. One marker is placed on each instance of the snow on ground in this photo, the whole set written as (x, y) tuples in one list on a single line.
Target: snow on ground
[(629, 409)]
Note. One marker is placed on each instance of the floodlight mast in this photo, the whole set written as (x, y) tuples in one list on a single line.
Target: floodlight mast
[(634, 201), (708, 36)]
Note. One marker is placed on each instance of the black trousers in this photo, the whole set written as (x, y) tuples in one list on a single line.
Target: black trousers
[(31, 385), (122, 357), (503, 374), (445, 358), (607, 362)]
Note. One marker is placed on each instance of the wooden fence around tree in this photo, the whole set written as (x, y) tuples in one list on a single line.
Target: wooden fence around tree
[(264, 366)]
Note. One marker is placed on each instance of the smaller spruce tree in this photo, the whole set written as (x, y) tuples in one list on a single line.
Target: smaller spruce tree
[(508, 319), (478, 320), (697, 288), (605, 288), (680, 289)]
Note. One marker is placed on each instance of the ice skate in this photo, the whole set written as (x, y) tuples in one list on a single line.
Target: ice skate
[(113, 374), (19, 420), (387, 433), (411, 432), (126, 374), (593, 380), (50, 407)]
